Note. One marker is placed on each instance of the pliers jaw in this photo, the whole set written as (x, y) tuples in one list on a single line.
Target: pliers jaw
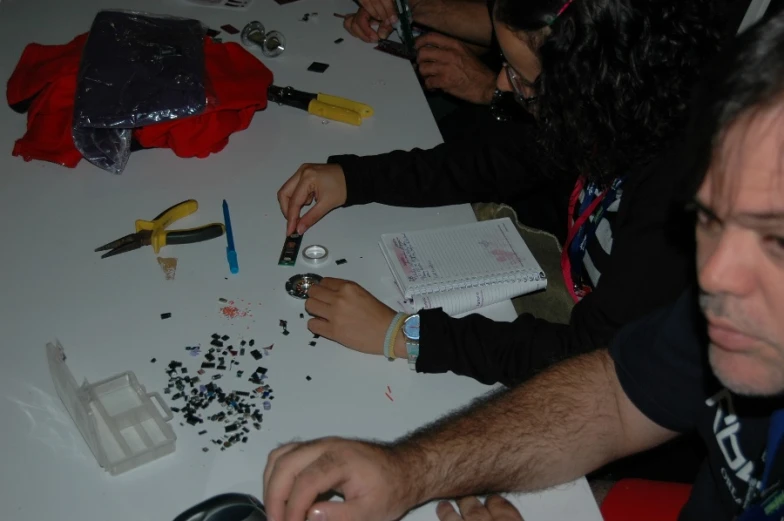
[(130, 242)]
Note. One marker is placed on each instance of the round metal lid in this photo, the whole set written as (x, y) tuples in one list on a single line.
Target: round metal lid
[(298, 285)]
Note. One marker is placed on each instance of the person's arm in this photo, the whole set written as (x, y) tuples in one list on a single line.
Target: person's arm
[(567, 422), (468, 20), (500, 166), (561, 425), (650, 264)]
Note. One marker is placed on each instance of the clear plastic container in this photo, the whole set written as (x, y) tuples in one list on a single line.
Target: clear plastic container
[(117, 417)]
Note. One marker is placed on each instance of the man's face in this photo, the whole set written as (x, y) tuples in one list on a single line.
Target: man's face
[(740, 255)]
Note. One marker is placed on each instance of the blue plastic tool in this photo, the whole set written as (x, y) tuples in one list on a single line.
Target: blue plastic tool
[(231, 253)]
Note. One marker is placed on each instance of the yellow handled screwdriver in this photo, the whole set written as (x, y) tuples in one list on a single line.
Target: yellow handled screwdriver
[(322, 105)]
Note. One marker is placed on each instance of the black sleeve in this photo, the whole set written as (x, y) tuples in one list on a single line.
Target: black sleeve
[(661, 362), (650, 265), (501, 166)]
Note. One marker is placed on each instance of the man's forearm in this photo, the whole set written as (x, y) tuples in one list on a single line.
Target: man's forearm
[(467, 20), (555, 428)]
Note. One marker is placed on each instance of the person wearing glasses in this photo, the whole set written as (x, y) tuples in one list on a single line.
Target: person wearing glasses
[(608, 85)]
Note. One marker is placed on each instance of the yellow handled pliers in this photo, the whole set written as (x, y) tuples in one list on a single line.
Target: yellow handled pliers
[(154, 232), (322, 105)]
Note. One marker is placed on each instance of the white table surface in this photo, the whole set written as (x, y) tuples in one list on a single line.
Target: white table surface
[(107, 312)]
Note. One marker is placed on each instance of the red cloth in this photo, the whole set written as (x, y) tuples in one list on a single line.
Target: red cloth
[(644, 500), (47, 74)]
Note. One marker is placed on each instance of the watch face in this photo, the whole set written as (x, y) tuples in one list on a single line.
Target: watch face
[(411, 327)]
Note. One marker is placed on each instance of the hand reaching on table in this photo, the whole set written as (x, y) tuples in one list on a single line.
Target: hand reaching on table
[(448, 64), (370, 477), (324, 184), (348, 314), (360, 25), (496, 508)]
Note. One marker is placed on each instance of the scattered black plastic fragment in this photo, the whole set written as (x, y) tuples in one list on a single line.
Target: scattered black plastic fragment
[(316, 336), (285, 332), (251, 342), (255, 354), (222, 300), (318, 67), (164, 316), (308, 378), (242, 342), (153, 360), (339, 40), (205, 449), (225, 337), (302, 315), (312, 343), (340, 261), (242, 352), (207, 365), (215, 336), (261, 370)]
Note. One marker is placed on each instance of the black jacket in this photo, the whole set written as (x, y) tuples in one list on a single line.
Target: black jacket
[(650, 263)]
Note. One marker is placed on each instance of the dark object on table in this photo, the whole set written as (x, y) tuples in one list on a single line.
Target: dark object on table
[(230, 29), (340, 261), (164, 316), (318, 67), (339, 40), (135, 70), (226, 507), (154, 232), (395, 49)]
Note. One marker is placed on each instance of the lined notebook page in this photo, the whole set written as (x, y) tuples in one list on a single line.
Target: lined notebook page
[(463, 256)]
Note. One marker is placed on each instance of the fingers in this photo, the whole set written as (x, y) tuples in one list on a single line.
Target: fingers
[(381, 9), (502, 510), (473, 510), (285, 192), (319, 326), (384, 30), (436, 40), (323, 474), (435, 55), (446, 512), (275, 502), (359, 26), (310, 217)]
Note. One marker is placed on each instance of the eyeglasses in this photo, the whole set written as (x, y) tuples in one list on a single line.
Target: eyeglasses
[(519, 85)]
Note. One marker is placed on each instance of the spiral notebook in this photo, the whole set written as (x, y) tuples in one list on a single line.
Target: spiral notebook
[(462, 268)]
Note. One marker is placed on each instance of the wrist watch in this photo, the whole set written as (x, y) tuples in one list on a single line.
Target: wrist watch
[(411, 333)]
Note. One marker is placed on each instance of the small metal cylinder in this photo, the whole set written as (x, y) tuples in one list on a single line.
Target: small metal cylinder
[(271, 43)]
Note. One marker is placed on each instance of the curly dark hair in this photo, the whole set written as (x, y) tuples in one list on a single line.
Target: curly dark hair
[(616, 75)]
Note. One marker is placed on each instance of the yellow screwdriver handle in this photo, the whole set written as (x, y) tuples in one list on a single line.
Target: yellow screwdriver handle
[(334, 113), (364, 110)]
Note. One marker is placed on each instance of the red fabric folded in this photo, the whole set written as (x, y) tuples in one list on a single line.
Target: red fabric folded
[(47, 75)]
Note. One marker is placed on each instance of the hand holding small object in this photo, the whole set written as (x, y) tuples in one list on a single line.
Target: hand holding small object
[(324, 184), (347, 313), (361, 25), (448, 64)]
